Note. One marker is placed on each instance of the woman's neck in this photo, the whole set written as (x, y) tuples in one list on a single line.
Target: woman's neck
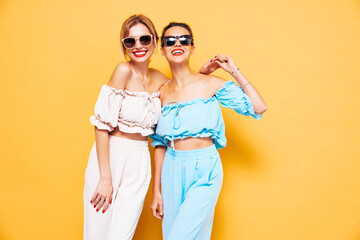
[(141, 69), (181, 74)]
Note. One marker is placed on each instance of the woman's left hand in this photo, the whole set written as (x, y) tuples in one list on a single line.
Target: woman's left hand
[(219, 61)]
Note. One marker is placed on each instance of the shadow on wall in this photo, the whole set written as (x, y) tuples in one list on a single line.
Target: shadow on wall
[(239, 152), (238, 156)]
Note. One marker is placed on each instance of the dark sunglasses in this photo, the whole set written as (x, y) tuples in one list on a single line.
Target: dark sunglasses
[(184, 40), (145, 40)]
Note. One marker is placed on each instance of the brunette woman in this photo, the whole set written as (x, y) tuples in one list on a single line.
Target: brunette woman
[(188, 134)]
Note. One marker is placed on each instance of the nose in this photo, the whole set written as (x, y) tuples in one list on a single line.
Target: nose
[(137, 44), (177, 42)]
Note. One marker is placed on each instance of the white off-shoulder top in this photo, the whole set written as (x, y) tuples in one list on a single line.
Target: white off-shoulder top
[(131, 112)]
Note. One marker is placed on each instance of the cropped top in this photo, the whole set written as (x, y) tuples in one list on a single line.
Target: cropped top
[(201, 117), (131, 112)]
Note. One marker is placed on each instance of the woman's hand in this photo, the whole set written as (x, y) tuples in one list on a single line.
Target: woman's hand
[(209, 67), (103, 195), (157, 206), (219, 61)]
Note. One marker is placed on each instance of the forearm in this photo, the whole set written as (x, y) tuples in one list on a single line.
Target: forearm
[(102, 150), (159, 155), (256, 99)]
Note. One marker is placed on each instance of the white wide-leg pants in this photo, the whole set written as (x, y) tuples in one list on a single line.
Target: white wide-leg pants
[(130, 173)]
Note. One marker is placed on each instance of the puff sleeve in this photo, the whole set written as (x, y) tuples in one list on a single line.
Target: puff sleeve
[(233, 97), (157, 140), (107, 108)]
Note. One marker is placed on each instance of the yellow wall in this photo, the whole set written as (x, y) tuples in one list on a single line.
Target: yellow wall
[(294, 175)]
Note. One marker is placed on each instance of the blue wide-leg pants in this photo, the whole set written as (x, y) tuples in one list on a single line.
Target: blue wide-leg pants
[(190, 183)]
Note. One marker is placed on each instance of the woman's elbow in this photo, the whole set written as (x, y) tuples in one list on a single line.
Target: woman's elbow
[(260, 110)]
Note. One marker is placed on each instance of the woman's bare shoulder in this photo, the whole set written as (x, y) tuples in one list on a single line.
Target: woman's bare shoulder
[(120, 75), (213, 82)]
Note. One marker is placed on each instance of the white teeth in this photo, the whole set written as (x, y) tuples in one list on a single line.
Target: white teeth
[(177, 52), (139, 53)]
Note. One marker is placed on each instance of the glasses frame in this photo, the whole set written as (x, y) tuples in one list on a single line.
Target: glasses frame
[(176, 38), (151, 37)]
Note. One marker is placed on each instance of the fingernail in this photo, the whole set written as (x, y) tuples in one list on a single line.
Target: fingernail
[(94, 205), (110, 200), (90, 201), (103, 211), (211, 60), (97, 210)]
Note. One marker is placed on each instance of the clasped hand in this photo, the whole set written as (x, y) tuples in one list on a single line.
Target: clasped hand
[(219, 61)]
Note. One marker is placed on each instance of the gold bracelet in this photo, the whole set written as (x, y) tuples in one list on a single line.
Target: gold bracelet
[(242, 88)]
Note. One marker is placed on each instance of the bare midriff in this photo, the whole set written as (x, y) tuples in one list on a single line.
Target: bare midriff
[(130, 136), (192, 143)]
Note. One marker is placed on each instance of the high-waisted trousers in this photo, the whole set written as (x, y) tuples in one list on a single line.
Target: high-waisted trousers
[(130, 174), (190, 184)]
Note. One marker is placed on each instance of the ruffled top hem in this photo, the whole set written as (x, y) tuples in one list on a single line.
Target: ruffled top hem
[(130, 111)]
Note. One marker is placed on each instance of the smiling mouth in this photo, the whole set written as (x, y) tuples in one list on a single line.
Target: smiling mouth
[(140, 53), (177, 52)]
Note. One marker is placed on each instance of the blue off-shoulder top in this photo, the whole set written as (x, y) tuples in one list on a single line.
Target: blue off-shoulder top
[(201, 117)]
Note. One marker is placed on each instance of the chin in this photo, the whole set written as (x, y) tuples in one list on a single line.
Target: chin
[(177, 60), (140, 60)]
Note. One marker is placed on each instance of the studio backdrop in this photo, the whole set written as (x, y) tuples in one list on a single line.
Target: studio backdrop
[(293, 175)]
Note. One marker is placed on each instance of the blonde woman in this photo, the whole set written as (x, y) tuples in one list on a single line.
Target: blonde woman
[(128, 107)]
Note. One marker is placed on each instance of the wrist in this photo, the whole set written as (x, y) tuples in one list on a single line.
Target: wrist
[(234, 71), (156, 190), (105, 177)]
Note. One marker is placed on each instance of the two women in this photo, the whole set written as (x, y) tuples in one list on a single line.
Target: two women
[(190, 130)]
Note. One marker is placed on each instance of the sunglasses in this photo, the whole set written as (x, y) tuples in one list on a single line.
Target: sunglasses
[(145, 40), (184, 40)]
